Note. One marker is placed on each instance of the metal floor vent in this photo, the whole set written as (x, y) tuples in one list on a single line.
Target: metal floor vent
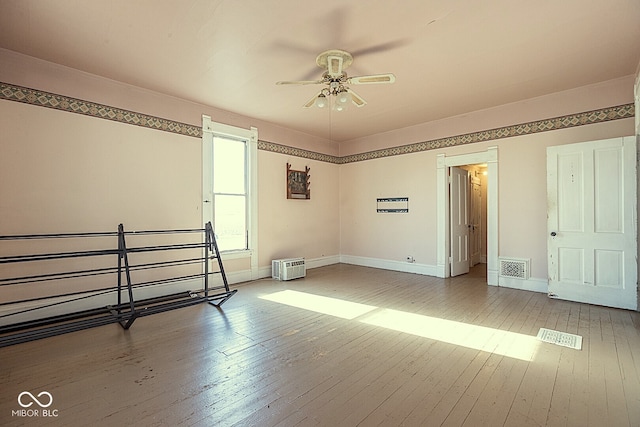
[(514, 267), (560, 338)]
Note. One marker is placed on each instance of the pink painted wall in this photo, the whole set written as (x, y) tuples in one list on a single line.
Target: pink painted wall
[(66, 172), (389, 236), (292, 228), (522, 177), (34, 73), (62, 172), (602, 95), (522, 196)]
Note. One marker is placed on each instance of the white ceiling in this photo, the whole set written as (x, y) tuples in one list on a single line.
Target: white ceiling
[(450, 57)]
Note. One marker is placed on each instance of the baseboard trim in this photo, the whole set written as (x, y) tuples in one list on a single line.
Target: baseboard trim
[(492, 277), (323, 261), (532, 284), (385, 264)]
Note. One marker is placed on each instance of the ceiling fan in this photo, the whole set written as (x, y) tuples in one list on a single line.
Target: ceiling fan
[(335, 61)]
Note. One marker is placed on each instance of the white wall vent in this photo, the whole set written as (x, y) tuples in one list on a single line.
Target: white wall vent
[(288, 269), (517, 268)]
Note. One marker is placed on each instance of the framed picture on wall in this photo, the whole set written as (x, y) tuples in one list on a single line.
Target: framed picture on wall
[(298, 183)]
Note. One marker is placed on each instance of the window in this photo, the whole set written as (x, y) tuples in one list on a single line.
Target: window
[(229, 186), (230, 193)]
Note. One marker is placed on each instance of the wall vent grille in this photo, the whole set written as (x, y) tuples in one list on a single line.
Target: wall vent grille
[(517, 268)]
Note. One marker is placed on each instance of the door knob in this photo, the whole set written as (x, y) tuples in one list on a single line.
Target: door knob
[(553, 234)]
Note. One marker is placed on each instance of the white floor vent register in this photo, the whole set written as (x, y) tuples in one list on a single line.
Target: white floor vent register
[(288, 269), (560, 338)]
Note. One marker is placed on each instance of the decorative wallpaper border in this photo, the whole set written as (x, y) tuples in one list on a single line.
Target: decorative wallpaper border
[(297, 152), (78, 106), (73, 105), (572, 120)]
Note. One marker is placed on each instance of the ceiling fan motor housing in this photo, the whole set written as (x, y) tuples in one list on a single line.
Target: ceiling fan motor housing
[(334, 61)]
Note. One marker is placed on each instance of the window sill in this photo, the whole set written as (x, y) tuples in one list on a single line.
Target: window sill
[(235, 254)]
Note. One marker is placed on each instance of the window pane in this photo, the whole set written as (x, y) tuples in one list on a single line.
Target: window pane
[(228, 166), (230, 222)]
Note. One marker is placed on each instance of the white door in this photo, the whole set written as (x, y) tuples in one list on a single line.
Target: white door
[(459, 221), (475, 221), (591, 193)]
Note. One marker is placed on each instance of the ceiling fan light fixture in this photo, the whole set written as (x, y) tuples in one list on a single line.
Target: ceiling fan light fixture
[(343, 97), (321, 101), (339, 107)]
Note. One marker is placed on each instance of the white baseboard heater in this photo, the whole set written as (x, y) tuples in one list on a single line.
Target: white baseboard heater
[(288, 269)]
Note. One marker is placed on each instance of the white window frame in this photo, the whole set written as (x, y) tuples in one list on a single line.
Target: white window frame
[(209, 129)]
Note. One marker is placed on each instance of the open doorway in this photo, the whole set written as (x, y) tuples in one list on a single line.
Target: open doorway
[(443, 206), (467, 237), (472, 212)]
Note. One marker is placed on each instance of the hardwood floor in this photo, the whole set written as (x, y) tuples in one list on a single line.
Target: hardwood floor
[(381, 348)]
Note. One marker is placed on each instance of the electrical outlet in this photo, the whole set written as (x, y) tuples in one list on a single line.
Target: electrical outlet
[(410, 259)]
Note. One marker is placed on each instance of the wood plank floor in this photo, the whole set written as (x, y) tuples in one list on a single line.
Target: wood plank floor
[(412, 350)]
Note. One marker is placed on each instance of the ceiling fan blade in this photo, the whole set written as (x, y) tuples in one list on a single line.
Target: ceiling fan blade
[(356, 99), (294, 47), (380, 47), (372, 79), (313, 72), (300, 82)]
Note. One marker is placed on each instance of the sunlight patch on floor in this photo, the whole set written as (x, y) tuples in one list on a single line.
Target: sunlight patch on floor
[(491, 340), (325, 305)]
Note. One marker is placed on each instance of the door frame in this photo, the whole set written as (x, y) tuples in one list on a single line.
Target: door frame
[(443, 235)]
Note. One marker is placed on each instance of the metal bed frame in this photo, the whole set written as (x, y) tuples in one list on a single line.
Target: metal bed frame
[(125, 309)]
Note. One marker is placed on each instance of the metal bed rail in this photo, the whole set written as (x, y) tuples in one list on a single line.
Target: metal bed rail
[(93, 279)]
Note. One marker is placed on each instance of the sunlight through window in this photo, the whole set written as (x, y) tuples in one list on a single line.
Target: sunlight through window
[(325, 305), (509, 344)]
